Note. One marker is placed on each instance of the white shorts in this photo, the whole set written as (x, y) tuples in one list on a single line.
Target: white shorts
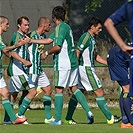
[(40, 80), (2, 83), (88, 80), (66, 78), (20, 82)]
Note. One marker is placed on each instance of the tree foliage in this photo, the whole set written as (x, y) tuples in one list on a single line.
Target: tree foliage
[(92, 5)]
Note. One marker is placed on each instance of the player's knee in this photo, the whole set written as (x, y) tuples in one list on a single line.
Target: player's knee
[(5, 94), (32, 92), (99, 92), (47, 90)]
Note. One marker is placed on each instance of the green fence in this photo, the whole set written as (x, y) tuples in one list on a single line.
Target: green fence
[(51, 65)]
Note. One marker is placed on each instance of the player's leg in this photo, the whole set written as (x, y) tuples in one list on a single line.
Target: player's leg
[(26, 101), (60, 82), (102, 104), (73, 81), (12, 98), (24, 93), (58, 106), (125, 121), (24, 82), (47, 104), (126, 102), (71, 108), (118, 68), (41, 81), (82, 100), (6, 103)]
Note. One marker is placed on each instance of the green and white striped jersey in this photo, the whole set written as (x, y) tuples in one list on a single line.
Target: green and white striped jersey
[(16, 67), (66, 58), (2, 46), (86, 46), (35, 51)]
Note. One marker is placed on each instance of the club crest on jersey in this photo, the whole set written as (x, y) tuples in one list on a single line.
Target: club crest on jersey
[(41, 49), (93, 42), (82, 45)]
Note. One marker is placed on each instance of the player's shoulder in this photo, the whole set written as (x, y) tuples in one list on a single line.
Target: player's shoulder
[(86, 35), (16, 35), (64, 26), (33, 33)]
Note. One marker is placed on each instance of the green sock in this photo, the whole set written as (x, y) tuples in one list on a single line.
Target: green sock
[(8, 108), (82, 100), (23, 107), (6, 116), (103, 106), (47, 106), (71, 107), (24, 93), (58, 106), (20, 101)]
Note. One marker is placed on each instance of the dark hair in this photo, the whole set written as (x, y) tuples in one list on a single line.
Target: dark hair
[(19, 21), (94, 21), (59, 12)]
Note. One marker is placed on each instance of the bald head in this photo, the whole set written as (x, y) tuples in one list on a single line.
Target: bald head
[(44, 24), (3, 19), (4, 24), (42, 20)]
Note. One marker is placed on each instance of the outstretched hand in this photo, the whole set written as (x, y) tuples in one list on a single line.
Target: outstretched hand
[(23, 41)]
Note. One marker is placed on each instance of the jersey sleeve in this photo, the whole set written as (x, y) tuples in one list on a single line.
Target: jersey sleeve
[(81, 45), (120, 15), (52, 36), (2, 45), (14, 40), (60, 33)]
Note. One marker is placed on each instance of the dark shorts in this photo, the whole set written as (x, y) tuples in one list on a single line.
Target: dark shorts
[(118, 68)]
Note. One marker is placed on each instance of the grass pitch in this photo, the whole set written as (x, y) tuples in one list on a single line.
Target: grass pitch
[(36, 120)]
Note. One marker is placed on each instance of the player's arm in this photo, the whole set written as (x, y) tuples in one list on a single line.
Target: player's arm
[(45, 41), (53, 50), (8, 48), (109, 25), (17, 57), (78, 53), (21, 42), (99, 59)]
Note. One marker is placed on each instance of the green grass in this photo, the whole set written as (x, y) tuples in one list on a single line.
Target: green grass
[(36, 118)]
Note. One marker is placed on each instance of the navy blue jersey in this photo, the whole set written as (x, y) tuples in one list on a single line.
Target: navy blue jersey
[(118, 64), (125, 13)]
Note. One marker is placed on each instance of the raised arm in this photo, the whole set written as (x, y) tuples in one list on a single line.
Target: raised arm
[(45, 41), (109, 25), (21, 42)]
